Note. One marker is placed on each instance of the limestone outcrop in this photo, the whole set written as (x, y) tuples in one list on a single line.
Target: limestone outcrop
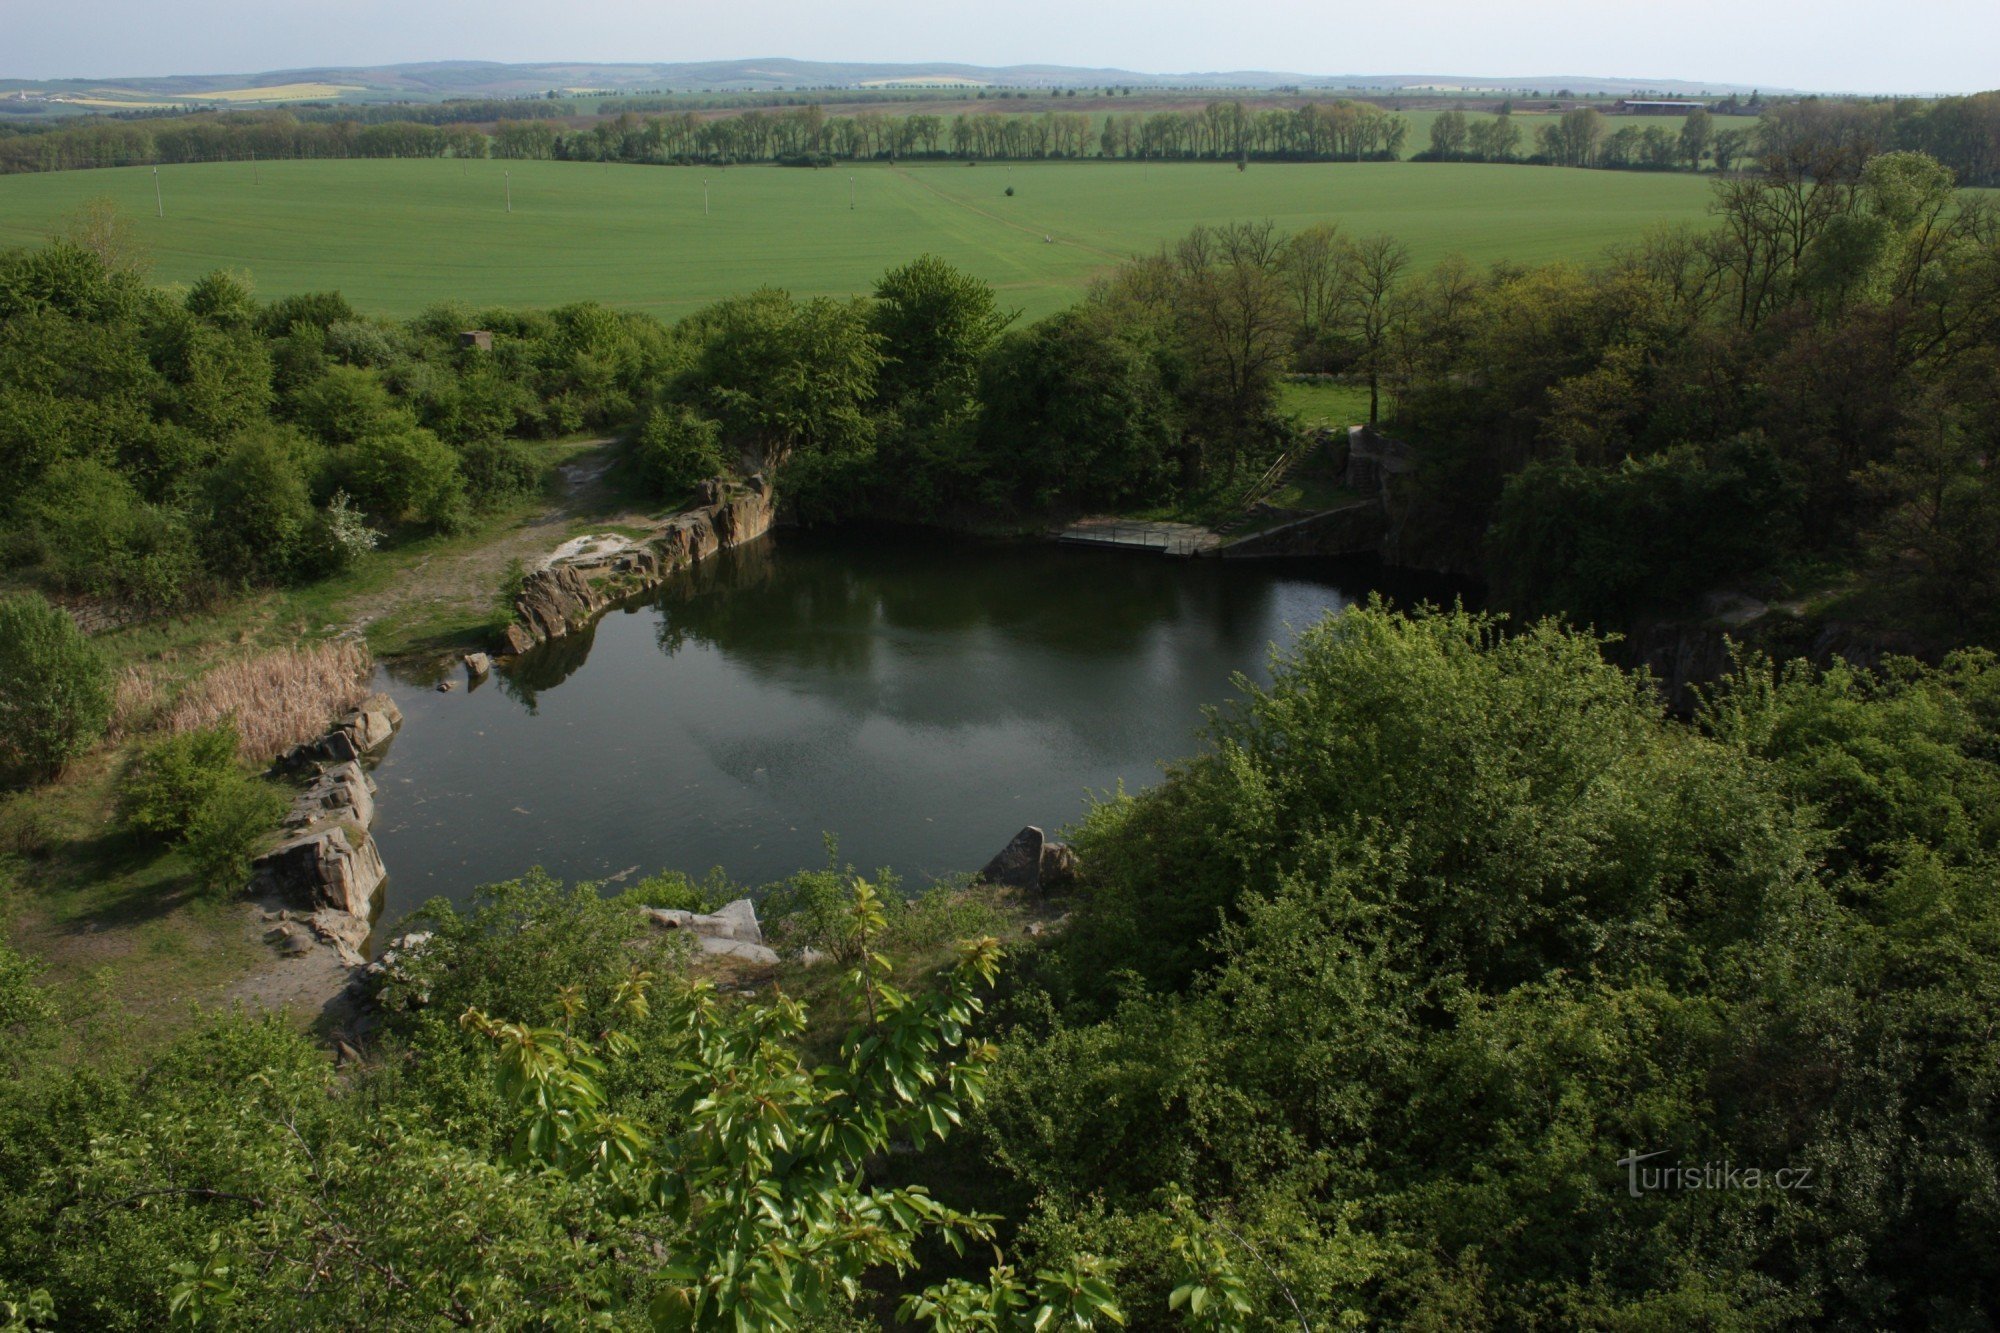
[(565, 595), (1033, 862)]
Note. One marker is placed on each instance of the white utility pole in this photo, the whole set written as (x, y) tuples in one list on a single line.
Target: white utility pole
[(159, 201)]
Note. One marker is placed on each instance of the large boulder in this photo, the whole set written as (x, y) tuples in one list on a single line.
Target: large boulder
[(367, 729), (325, 867), (734, 921), (1032, 862), (741, 950), (554, 601)]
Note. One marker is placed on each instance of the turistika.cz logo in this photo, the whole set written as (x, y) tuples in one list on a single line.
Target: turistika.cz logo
[(1642, 1179)]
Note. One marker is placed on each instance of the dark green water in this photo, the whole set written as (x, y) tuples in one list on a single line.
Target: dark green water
[(920, 698)]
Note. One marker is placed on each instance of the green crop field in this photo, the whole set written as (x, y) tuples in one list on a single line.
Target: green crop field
[(398, 235)]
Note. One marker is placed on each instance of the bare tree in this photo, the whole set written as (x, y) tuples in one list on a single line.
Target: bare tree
[(1311, 269), (1371, 270)]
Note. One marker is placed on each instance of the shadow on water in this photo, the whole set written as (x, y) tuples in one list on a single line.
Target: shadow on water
[(920, 697)]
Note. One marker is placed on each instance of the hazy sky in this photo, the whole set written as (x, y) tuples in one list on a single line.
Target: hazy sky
[(1915, 45)]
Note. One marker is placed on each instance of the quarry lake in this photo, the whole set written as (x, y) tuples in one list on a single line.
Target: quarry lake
[(919, 698)]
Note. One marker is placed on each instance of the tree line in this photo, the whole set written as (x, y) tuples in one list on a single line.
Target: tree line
[(1961, 132)]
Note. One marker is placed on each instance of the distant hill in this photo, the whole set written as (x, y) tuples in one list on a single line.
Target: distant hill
[(437, 80)]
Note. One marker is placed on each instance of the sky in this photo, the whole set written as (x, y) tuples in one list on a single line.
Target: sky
[(1834, 45)]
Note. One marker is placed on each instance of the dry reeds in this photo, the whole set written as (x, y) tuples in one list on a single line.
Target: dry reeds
[(278, 699), (135, 703)]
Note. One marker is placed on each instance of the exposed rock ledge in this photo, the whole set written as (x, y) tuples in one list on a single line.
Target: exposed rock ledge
[(584, 577), (319, 884)]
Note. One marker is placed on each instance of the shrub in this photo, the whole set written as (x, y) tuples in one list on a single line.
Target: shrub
[(229, 827), (261, 526), (167, 785), (495, 469), (55, 691), (344, 534), (676, 448), (344, 405), (188, 791), (92, 533), (407, 476)]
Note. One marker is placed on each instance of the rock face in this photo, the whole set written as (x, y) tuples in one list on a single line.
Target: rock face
[(565, 596), (343, 793), (328, 870), (731, 931), (360, 733), (1032, 862), (324, 867)]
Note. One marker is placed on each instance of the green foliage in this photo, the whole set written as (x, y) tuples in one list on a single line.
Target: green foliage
[(936, 323), (1446, 924), (168, 782), (1076, 413), (676, 448), (1607, 544), (344, 405), (229, 828), (189, 791), (55, 690), (406, 475), (89, 530), (25, 1007), (260, 523)]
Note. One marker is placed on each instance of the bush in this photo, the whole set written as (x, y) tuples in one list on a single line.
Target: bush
[(345, 404), (229, 828), (406, 476), (676, 448), (168, 783), (495, 469), (343, 535), (261, 527), (55, 691), (188, 791), (92, 533)]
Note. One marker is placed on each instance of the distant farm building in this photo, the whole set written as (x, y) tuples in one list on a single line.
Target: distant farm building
[(476, 340), (1629, 107)]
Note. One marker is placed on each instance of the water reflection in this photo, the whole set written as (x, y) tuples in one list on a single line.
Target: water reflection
[(920, 698)]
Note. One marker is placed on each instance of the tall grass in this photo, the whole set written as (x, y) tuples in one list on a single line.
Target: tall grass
[(278, 699)]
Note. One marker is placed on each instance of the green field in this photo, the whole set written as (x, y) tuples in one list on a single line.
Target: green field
[(398, 235)]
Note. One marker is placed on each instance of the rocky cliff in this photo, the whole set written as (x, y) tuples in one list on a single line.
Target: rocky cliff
[(567, 594)]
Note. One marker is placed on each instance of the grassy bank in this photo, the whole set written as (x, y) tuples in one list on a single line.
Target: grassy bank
[(116, 915)]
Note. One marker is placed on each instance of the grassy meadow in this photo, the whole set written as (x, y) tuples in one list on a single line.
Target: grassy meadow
[(398, 235)]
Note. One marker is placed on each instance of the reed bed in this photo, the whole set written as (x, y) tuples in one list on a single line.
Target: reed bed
[(278, 699), (135, 703)]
